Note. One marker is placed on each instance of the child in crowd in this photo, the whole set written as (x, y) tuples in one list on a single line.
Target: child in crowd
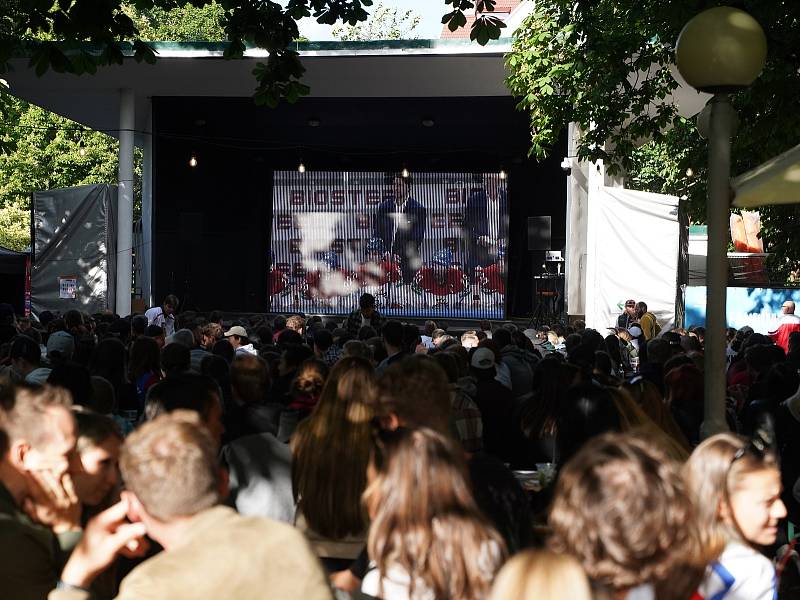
[(736, 487)]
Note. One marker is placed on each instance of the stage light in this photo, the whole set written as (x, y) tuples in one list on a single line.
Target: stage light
[(313, 122), (428, 122), (193, 161), (301, 168), (404, 173), (503, 174)]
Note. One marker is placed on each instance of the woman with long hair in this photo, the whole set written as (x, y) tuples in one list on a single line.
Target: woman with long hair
[(428, 539), (736, 487), (330, 452), (144, 366)]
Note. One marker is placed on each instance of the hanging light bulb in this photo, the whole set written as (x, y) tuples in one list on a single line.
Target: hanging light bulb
[(503, 174), (301, 168), (404, 173), (690, 172), (193, 161), (82, 150)]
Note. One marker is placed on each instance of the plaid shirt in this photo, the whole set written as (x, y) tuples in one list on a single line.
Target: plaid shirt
[(353, 322), (331, 355), (466, 419)]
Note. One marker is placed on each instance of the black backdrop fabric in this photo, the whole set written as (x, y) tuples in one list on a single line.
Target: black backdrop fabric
[(212, 222)]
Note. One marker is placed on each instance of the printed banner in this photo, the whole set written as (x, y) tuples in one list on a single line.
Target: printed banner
[(427, 244)]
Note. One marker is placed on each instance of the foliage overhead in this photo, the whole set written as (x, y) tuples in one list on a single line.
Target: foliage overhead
[(384, 23), (605, 65), (54, 33)]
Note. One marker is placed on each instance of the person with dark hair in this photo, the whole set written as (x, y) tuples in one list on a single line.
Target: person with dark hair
[(684, 397), (292, 356), (164, 315), (324, 348), (175, 360), (366, 315), (99, 442), (440, 283), (486, 221), (588, 411), (75, 379), (223, 349), (392, 334), (496, 404), (187, 391), (25, 356), (520, 363), (647, 321), (157, 333), (400, 222), (144, 367), (628, 316), (138, 326)]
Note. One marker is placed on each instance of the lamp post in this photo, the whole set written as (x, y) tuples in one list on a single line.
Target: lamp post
[(719, 51)]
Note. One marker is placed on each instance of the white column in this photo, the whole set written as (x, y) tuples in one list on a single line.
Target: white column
[(127, 123), (146, 252)]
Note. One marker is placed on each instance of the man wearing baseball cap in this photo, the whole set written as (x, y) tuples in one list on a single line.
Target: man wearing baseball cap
[(237, 337), (628, 316)]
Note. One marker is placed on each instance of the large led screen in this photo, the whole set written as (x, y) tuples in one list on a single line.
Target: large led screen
[(424, 244)]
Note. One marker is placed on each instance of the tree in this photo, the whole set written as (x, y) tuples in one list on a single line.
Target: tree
[(54, 33), (384, 23), (605, 65)]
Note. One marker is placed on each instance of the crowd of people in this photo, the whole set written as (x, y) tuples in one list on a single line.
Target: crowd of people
[(182, 455)]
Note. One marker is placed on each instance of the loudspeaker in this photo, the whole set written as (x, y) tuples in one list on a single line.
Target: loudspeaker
[(539, 233)]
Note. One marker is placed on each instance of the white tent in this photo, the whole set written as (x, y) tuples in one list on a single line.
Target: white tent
[(777, 181)]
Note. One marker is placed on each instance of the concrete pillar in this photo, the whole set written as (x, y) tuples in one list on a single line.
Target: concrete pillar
[(146, 251), (127, 124)]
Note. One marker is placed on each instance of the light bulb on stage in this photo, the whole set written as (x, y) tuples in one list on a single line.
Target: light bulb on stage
[(503, 174), (82, 151), (404, 173), (193, 161), (301, 168)]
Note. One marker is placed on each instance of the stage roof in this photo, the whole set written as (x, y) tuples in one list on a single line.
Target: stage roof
[(383, 69)]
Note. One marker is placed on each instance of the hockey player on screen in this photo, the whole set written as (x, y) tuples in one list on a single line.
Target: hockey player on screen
[(379, 267), (492, 279), (326, 286), (440, 284), (379, 272), (279, 291)]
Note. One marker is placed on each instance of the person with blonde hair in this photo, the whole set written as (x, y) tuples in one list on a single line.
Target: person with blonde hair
[(736, 486), (427, 539), (541, 574), (621, 508), (174, 486), (330, 452)]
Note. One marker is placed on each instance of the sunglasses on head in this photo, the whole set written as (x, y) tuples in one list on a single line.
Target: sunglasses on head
[(761, 442)]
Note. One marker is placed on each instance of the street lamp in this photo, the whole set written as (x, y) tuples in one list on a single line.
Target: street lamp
[(719, 51)]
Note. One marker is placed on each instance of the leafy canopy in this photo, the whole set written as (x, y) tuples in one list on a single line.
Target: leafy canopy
[(606, 65), (60, 29)]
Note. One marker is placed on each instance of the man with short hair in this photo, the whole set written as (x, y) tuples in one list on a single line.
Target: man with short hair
[(26, 355), (788, 324), (324, 348), (237, 337), (628, 316), (647, 321), (173, 491), (365, 315), (39, 509), (393, 341), (400, 222), (164, 315)]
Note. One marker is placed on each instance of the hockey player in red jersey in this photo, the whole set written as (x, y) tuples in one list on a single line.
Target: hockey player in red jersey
[(440, 283)]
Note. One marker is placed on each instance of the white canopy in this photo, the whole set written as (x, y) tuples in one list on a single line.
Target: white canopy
[(776, 181)]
